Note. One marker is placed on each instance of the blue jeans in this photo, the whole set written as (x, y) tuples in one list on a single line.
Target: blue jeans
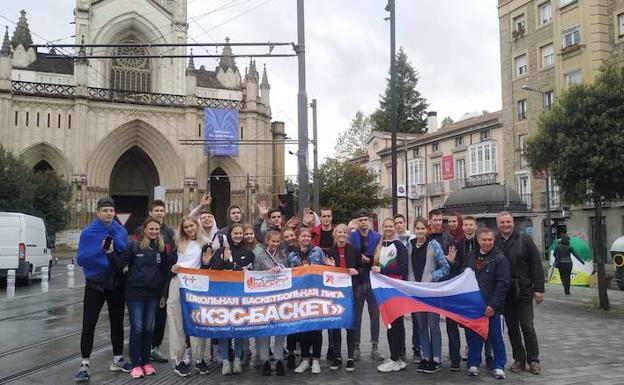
[(224, 348), (141, 314), (430, 336), (495, 336)]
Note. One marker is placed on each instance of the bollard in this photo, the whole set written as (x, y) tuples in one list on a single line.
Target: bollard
[(44, 279), (70, 276), (10, 290)]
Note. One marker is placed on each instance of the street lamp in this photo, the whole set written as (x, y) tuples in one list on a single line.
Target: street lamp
[(548, 220), (393, 104)]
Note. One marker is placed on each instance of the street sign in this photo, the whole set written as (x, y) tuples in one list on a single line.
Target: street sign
[(123, 218)]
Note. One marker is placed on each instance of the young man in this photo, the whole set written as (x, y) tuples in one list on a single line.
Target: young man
[(527, 284), (366, 240), (492, 272), (268, 220), (101, 265), (235, 215), (322, 234), (445, 239)]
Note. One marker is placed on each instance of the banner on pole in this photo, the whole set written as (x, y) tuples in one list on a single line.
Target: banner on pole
[(221, 131), (241, 304)]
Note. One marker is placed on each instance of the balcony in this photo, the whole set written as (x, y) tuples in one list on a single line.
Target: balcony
[(435, 188), (457, 184), (481, 179)]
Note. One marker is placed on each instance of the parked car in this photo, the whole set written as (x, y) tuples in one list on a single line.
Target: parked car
[(23, 247)]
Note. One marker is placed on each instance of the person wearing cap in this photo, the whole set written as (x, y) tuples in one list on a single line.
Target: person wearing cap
[(101, 264), (365, 240)]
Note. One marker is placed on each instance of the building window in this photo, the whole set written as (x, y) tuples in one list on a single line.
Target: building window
[(37, 119), (485, 135), (58, 123), (415, 152), (548, 99), (521, 65), (563, 3), (16, 117), (48, 120), (460, 169), (69, 121), (241, 130), (415, 171), (519, 26), (571, 36), (459, 141), (435, 146), (592, 230), (521, 145), (547, 54), (27, 116), (545, 13), (621, 24), (524, 188), (522, 109), (437, 173), (131, 74), (575, 77), (483, 158)]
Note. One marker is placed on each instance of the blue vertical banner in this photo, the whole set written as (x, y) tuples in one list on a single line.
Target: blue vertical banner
[(221, 125)]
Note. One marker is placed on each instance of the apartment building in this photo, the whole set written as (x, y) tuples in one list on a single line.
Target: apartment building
[(547, 46)]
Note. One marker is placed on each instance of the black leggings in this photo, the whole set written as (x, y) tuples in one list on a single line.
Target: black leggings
[(336, 336), (92, 305), (312, 339), (565, 270), (159, 326), (396, 338)]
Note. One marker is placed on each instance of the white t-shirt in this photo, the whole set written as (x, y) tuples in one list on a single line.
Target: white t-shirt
[(191, 257)]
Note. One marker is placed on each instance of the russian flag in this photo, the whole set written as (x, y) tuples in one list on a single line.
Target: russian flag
[(458, 299)]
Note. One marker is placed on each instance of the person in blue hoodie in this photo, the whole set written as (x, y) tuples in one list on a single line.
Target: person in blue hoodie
[(104, 283)]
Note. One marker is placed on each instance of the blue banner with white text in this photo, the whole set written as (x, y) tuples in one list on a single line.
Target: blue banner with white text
[(221, 131)]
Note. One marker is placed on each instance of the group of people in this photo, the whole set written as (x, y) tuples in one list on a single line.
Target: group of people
[(139, 273)]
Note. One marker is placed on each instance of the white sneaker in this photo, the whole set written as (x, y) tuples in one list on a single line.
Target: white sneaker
[(473, 371), (303, 367), (316, 367), (389, 366), (187, 356), (499, 374), (226, 369), (402, 364), (238, 367)]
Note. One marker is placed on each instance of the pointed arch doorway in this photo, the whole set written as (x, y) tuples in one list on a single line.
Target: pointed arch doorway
[(220, 191), (132, 183)]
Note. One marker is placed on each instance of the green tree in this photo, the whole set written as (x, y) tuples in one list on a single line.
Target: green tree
[(411, 106), (580, 143), (352, 141), (17, 187), (52, 198), (346, 187), (446, 122)]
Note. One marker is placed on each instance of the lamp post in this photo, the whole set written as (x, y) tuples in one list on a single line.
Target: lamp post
[(548, 219), (393, 104)]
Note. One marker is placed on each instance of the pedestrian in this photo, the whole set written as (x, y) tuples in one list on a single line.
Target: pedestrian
[(305, 255), (366, 240), (390, 259), (147, 271), (189, 244), (269, 257), (345, 256), (527, 285), (563, 261), (99, 248), (491, 269), (428, 264)]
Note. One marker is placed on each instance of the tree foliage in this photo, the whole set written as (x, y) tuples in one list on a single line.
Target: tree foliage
[(42, 194), (352, 141), (447, 121), (346, 187), (411, 106)]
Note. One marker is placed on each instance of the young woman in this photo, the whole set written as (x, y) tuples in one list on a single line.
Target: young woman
[(249, 237), (348, 257), (563, 262), (429, 265), (232, 257), (307, 254), (270, 258), (391, 260), (146, 274), (189, 243)]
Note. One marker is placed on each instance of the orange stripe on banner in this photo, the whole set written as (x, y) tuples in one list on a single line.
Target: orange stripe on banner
[(238, 276)]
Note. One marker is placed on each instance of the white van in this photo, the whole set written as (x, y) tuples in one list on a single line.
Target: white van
[(23, 246)]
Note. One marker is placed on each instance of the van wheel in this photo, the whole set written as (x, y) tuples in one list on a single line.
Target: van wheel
[(27, 279)]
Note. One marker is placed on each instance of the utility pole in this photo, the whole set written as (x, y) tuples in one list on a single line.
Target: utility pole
[(407, 188), (248, 200), (302, 112), (208, 166), (393, 105), (315, 142)]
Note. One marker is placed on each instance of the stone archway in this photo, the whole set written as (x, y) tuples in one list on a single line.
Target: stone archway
[(43, 166), (45, 157)]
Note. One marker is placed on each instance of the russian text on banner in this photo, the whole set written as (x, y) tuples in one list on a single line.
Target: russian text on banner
[(237, 304), (458, 298)]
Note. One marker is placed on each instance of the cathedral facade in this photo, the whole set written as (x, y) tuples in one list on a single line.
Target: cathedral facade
[(120, 127)]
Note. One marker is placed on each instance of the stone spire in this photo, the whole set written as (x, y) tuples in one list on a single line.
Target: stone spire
[(252, 75), (6, 44), (265, 79), (22, 35), (227, 59), (191, 63)]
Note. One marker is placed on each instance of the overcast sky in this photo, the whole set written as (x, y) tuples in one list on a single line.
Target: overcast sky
[(453, 44)]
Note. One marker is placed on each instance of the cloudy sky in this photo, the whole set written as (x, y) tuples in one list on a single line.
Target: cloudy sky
[(453, 44)]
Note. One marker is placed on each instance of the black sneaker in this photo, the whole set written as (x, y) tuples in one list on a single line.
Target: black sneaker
[(455, 366), (83, 373), (336, 363), (182, 370), (290, 361), (330, 354), (266, 368), (350, 367), (279, 368), (202, 367), (433, 367), (422, 366)]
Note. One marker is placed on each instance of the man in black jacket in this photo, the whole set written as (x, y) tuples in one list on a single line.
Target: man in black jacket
[(527, 284), (492, 272)]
